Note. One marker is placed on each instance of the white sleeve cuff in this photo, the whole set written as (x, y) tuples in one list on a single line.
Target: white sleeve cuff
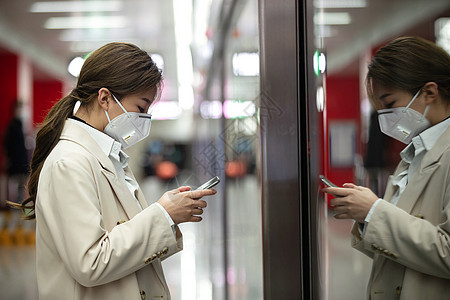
[(362, 227), (369, 214), (171, 222)]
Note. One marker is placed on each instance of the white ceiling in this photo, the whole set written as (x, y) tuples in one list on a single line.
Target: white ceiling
[(377, 23), (151, 26)]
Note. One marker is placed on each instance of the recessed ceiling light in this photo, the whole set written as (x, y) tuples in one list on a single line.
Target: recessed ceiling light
[(338, 18), (340, 3), (86, 22), (75, 65), (75, 6)]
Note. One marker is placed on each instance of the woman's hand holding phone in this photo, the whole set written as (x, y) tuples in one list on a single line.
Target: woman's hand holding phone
[(183, 205), (351, 201)]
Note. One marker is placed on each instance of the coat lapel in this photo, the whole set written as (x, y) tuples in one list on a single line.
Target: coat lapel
[(123, 194), (139, 194), (420, 179), (78, 135)]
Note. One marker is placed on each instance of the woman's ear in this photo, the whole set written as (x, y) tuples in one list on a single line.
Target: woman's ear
[(103, 98), (431, 92)]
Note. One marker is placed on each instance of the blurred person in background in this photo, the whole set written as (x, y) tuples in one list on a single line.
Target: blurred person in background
[(96, 236), (407, 232), (16, 153), (375, 160), (17, 163)]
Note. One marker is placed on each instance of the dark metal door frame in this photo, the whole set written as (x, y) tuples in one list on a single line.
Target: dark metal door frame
[(289, 251)]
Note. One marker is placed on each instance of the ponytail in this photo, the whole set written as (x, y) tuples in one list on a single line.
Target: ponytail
[(46, 139)]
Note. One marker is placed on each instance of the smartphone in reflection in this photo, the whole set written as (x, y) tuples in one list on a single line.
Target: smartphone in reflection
[(209, 184), (326, 181)]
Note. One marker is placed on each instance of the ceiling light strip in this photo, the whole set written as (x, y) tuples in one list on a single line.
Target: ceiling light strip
[(340, 3), (86, 22), (323, 18), (75, 6)]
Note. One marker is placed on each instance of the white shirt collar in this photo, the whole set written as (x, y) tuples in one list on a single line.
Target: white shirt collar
[(431, 135), (107, 144), (425, 141)]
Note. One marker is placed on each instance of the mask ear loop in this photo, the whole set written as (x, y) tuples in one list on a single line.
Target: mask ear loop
[(107, 116), (412, 100), (425, 112), (109, 120), (128, 115)]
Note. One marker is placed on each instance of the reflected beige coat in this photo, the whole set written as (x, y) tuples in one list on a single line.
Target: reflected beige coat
[(92, 239), (410, 242)]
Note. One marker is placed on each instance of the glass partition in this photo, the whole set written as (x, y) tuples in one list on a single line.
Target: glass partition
[(351, 146)]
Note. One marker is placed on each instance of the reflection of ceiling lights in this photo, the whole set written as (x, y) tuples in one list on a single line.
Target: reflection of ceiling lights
[(166, 110), (337, 18), (75, 6), (442, 32), (75, 65), (235, 109), (211, 109), (320, 99), (246, 64), (340, 3), (86, 22)]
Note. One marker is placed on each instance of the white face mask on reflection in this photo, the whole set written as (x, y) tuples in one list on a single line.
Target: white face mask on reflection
[(403, 123), (128, 128)]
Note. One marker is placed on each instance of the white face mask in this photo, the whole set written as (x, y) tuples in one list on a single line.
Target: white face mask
[(403, 123), (128, 128)]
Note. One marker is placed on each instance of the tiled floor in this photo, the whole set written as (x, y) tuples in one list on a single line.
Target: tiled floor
[(197, 272), (18, 273)]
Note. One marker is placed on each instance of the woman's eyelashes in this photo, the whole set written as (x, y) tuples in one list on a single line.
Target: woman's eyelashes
[(141, 109), (389, 105)]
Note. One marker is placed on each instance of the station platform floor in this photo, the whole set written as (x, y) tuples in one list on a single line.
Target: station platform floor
[(17, 256)]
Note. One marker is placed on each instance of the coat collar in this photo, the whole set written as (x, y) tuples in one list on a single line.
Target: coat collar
[(419, 180), (75, 133)]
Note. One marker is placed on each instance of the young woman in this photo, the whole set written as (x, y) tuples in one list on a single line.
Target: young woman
[(96, 237), (407, 232)]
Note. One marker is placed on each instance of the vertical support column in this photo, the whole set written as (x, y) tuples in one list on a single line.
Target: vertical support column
[(285, 248), (25, 92)]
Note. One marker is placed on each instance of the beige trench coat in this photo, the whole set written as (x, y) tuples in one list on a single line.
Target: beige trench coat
[(92, 239), (410, 242)]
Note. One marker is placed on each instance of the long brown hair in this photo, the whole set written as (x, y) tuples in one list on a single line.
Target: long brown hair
[(408, 63), (123, 68)]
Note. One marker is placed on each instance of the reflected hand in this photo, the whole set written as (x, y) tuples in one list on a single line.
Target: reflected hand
[(183, 205), (352, 201)]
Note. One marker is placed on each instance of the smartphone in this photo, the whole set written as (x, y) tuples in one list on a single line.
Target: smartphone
[(327, 181), (209, 184)]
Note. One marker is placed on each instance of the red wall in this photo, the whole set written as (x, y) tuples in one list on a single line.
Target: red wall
[(46, 93), (342, 104), (8, 92)]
